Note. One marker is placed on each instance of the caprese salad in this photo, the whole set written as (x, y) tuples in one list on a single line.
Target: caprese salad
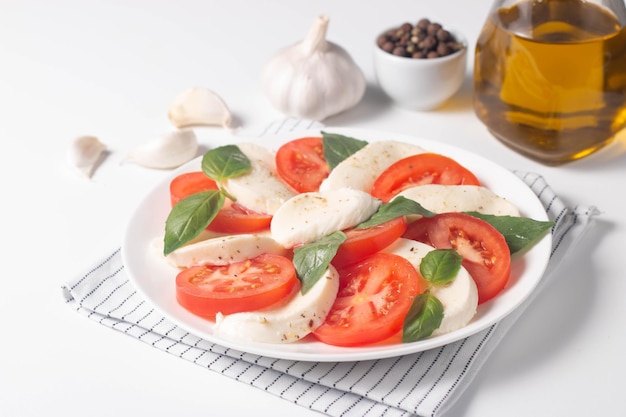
[(332, 237)]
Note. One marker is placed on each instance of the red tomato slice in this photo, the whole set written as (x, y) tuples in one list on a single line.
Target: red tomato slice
[(486, 255), (232, 218), (300, 163), (361, 243), (242, 286), (190, 183), (373, 299), (420, 169)]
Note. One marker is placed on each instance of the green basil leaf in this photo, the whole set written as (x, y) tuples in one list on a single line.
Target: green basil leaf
[(312, 260), (225, 162), (423, 318), (399, 206), (189, 217), (520, 233), (339, 147), (441, 266)]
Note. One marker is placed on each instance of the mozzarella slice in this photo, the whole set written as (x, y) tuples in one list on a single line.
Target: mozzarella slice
[(287, 323), (460, 301), (309, 216), (261, 189), (224, 250), (157, 244), (360, 170), (459, 297), (446, 198)]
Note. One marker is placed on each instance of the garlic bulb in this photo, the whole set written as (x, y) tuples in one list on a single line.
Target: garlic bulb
[(169, 151), (198, 106), (84, 154), (314, 78)]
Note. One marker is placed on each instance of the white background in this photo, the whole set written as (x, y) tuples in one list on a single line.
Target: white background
[(111, 69)]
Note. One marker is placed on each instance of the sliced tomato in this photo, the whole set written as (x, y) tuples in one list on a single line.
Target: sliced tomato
[(232, 218), (190, 183), (420, 169), (361, 243), (300, 163), (373, 299), (486, 255), (248, 285)]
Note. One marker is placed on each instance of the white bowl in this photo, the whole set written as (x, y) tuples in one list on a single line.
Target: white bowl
[(421, 84)]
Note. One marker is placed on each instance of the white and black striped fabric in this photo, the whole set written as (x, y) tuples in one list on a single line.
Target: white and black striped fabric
[(421, 384)]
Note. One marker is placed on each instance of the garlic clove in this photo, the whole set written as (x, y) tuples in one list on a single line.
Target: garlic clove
[(84, 153), (169, 151), (199, 106)]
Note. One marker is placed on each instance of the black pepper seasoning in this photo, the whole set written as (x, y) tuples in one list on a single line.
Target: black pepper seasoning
[(425, 39)]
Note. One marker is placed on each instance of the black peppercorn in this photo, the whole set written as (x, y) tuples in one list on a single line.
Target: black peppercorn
[(433, 28), (399, 51), (423, 23), (388, 46), (429, 42), (426, 39), (443, 35)]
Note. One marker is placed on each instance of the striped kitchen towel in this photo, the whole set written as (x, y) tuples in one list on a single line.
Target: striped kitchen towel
[(420, 384)]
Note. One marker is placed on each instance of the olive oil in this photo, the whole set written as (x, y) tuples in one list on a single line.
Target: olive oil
[(550, 78)]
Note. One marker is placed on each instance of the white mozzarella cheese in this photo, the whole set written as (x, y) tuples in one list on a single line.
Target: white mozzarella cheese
[(360, 170), (261, 189), (459, 297), (157, 244), (455, 198), (308, 217), (224, 250), (284, 324), (460, 301)]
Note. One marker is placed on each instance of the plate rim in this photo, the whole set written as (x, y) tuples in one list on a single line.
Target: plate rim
[(299, 350)]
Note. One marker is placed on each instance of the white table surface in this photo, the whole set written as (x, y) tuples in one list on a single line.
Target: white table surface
[(111, 69)]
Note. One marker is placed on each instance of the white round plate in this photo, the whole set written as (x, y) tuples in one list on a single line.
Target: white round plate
[(154, 278)]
